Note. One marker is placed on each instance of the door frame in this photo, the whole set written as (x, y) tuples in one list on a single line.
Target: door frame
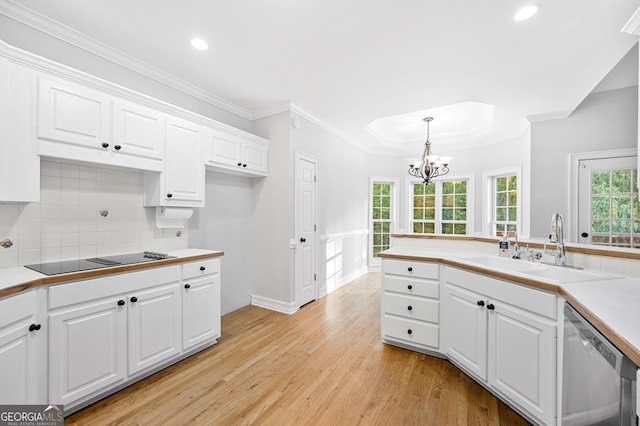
[(298, 228), (574, 164)]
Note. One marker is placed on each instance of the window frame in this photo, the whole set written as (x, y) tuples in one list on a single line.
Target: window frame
[(469, 178), (376, 262), (489, 178)]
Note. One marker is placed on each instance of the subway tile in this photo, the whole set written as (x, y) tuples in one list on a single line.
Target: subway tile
[(88, 238), (50, 255), (29, 257), (30, 241), (49, 168), (70, 239), (71, 171), (69, 253), (50, 212), (87, 173)]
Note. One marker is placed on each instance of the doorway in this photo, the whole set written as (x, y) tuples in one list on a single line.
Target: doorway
[(608, 208), (305, 229)]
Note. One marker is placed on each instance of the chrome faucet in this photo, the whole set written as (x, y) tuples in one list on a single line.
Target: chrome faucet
[(557, 237)]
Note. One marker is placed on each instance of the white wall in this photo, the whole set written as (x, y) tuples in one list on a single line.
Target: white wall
[(604, 120), (224, 224)]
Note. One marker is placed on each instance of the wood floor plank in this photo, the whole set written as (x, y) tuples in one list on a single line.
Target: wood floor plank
[(324, 365)]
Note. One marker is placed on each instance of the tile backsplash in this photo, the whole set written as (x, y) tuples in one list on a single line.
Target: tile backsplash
[(84, 211)]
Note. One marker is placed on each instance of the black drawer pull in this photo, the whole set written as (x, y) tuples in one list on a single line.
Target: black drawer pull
[(120, 302), (480, 302), (118, 147), (410, 307), (134, 299), (490, 306), (409, 269), (105, 145), (410, 287), (202, 268), (187, 286), (35, 327), (409, 331)]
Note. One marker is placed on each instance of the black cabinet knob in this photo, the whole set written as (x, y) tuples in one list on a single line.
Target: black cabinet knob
[(239, 164), (187, 286), (202, 268), (244, 165), (490, 306), (409, 269), (134, 299), (480, 302), (105, 145), (303, 240), (35, 327), (120, 302), (117, 147), (169, 195), (409, 331), (584, 234), (409, 286), (410, 307)]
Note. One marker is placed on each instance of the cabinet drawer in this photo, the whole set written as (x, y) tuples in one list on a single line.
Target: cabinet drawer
[(195, 269), (411, 332), (411, 307), (16, 307), (416, 287), (411, 268)]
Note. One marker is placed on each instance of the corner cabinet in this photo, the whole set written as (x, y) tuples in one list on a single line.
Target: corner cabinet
[(410, 304), (182, 182), (236, 153), (504, 335)]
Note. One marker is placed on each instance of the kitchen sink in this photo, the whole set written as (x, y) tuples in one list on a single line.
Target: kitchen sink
[(516, 265), (567, 275)]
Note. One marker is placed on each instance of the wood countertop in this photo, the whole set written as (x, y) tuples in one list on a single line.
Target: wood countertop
[(16, 279), (610, 305)]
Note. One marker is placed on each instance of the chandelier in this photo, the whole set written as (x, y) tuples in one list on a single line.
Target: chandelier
[(429, 166)]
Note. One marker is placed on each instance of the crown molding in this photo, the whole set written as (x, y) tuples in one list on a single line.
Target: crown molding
[(273, 110), (46, 25), (633, 24), (556, 115)]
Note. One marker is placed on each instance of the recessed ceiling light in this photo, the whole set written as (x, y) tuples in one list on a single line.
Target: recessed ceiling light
[(526, 12), (198, 43)]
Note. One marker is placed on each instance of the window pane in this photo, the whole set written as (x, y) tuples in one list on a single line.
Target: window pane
[(460, 229), (377, 239), (621, 226), (377, 227), (417, 227), (600, 182), (461, 214), (376, 189), (386, 189), (501, 184), (600, 207), (501, 214), (386, 227), (376, 202), (513, 214), (447, 187), (385, 213), (620, 181), (430, 189), (418, 201), (621, 207), (430, 201), (447, 201), (513, 199), (512, 183), (418, 214), (429, 228), (461, 187), (461, 201), (386, 201), (447, 214), (375, 214), (430, 214), (447, 228), (599, 225), (501, 199)]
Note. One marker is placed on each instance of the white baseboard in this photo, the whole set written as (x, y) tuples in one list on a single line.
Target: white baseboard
[(274, 305)]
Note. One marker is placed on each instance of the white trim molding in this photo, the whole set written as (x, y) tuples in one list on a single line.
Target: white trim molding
[(338, 250), (288, 308), (53, 28)]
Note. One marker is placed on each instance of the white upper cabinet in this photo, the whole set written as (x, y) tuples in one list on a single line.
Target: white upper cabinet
[(20, 163), (182, 182), (78, 123), (236, 153), (138, 131)]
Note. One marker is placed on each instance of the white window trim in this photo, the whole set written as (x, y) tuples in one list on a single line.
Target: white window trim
[(375, 262), (470, 178), (574, 162), (489, 197)]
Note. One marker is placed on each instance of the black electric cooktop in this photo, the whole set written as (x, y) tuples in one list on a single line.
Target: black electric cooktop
[(68, 266)]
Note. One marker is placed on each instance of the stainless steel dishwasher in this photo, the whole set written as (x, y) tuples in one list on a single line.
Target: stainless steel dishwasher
[(598, 381)]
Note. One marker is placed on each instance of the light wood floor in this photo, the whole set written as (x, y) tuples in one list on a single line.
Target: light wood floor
[(324, 365)]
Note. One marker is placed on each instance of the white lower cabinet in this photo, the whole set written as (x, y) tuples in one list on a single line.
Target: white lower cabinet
[(22, 350), (200, 302), (106, 331), (504, 335)]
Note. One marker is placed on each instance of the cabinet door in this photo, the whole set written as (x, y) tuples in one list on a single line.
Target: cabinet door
[(201, 310), (466, 330), (223, 149), (522, 359), (255, 157), (87, 349), (155, 320), (184, 168), (138, 131), (72, 114), (20, 358)]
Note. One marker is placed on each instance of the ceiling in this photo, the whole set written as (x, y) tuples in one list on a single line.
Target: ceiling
[(351, 62)]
